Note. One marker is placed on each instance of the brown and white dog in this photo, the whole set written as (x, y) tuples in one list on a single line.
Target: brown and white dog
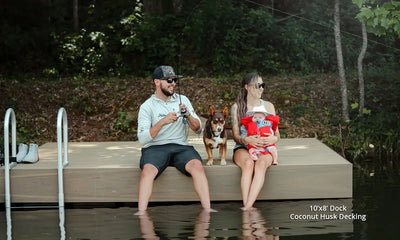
[(214, 134)]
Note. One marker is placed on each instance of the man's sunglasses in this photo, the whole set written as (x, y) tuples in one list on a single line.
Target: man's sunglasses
[(261, 85), (170, 79)]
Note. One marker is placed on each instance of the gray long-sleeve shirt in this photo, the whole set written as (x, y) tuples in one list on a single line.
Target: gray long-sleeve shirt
[(153, 110)]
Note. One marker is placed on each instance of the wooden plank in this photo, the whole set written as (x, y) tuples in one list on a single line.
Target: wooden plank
[(109, 172)]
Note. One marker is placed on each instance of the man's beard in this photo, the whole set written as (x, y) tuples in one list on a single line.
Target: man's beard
[(166, 92)]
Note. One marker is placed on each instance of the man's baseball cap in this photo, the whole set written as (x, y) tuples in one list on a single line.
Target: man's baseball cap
[(163, 72)]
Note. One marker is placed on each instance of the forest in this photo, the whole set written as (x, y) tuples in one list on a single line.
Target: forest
[(95, 58)]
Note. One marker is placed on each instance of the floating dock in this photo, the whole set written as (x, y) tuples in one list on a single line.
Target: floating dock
[(109, 172)]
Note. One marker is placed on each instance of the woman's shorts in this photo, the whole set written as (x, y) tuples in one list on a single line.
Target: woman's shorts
[(162, 156), (237, 147)]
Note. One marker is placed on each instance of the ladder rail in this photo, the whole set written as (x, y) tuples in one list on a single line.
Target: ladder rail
[(10, 114), (62, 151)]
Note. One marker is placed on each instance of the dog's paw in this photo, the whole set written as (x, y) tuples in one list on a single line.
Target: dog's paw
[(209, 163), (223, 163)]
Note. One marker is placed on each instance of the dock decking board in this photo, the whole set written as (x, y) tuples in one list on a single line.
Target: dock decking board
[(109, 172)]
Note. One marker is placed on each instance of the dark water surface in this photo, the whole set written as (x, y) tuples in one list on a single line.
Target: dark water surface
[(373, 213)]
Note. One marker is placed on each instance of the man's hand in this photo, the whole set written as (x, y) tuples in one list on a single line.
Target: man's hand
[(183, 106), (170, 118)]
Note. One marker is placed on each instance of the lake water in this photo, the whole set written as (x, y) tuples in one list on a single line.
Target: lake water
[(373, 213)]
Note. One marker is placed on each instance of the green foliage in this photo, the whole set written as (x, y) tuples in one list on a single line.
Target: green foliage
[(102, 50), (83, 52), (124, 122), (215, 35), (378, 134), (231, 37), (298, 109), (204, 37), (354, 105), (382, 87), (309, 53), (381, 18), (50, 72), (374, 135), (157, 42)]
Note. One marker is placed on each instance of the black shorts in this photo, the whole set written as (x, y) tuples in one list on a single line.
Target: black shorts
[(162, 156), (237, 148)]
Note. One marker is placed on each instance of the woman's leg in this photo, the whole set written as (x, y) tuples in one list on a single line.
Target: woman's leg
[(260, 169), (246, 164)]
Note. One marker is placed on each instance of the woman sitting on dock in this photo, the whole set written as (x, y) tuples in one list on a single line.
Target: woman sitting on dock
[(253, 172)]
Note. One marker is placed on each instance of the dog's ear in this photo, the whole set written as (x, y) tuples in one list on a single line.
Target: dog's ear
[(225, 111), (211, 110)]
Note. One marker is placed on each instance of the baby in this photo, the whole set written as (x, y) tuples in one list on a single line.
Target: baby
[(261, 123)]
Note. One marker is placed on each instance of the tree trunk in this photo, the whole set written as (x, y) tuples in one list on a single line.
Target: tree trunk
[(272, 8), (360, 68), (342, 76), (75, 15)]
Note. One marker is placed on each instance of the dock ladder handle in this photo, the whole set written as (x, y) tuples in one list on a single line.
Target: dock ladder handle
[(7, 165), (62, 141)]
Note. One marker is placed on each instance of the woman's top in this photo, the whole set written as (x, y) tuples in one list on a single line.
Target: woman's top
[(243, 132)]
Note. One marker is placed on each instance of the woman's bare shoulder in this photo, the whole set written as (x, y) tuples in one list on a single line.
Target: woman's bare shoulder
[(269, 106)]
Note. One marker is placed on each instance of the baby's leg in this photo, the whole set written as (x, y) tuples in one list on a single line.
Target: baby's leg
[(274, 154), (253, 154)]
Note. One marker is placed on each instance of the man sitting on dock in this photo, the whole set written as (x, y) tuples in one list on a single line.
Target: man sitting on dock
[(162, 132)]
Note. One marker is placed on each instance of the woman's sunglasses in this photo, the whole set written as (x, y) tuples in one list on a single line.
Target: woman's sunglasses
[(170, 80), (261, 85)]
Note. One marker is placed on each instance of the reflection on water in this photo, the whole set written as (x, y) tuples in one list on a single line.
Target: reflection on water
[(200, 231), (202, 226), (61, 214), (254, 226), (271, 220), (9, 225), (147, 227), (375, 198)]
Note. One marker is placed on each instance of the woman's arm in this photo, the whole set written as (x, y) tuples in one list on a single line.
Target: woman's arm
[(235, 125), (252, 140)]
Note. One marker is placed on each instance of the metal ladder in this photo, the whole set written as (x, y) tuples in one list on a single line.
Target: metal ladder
[(7, 164), (62, 141), (62, 153)]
